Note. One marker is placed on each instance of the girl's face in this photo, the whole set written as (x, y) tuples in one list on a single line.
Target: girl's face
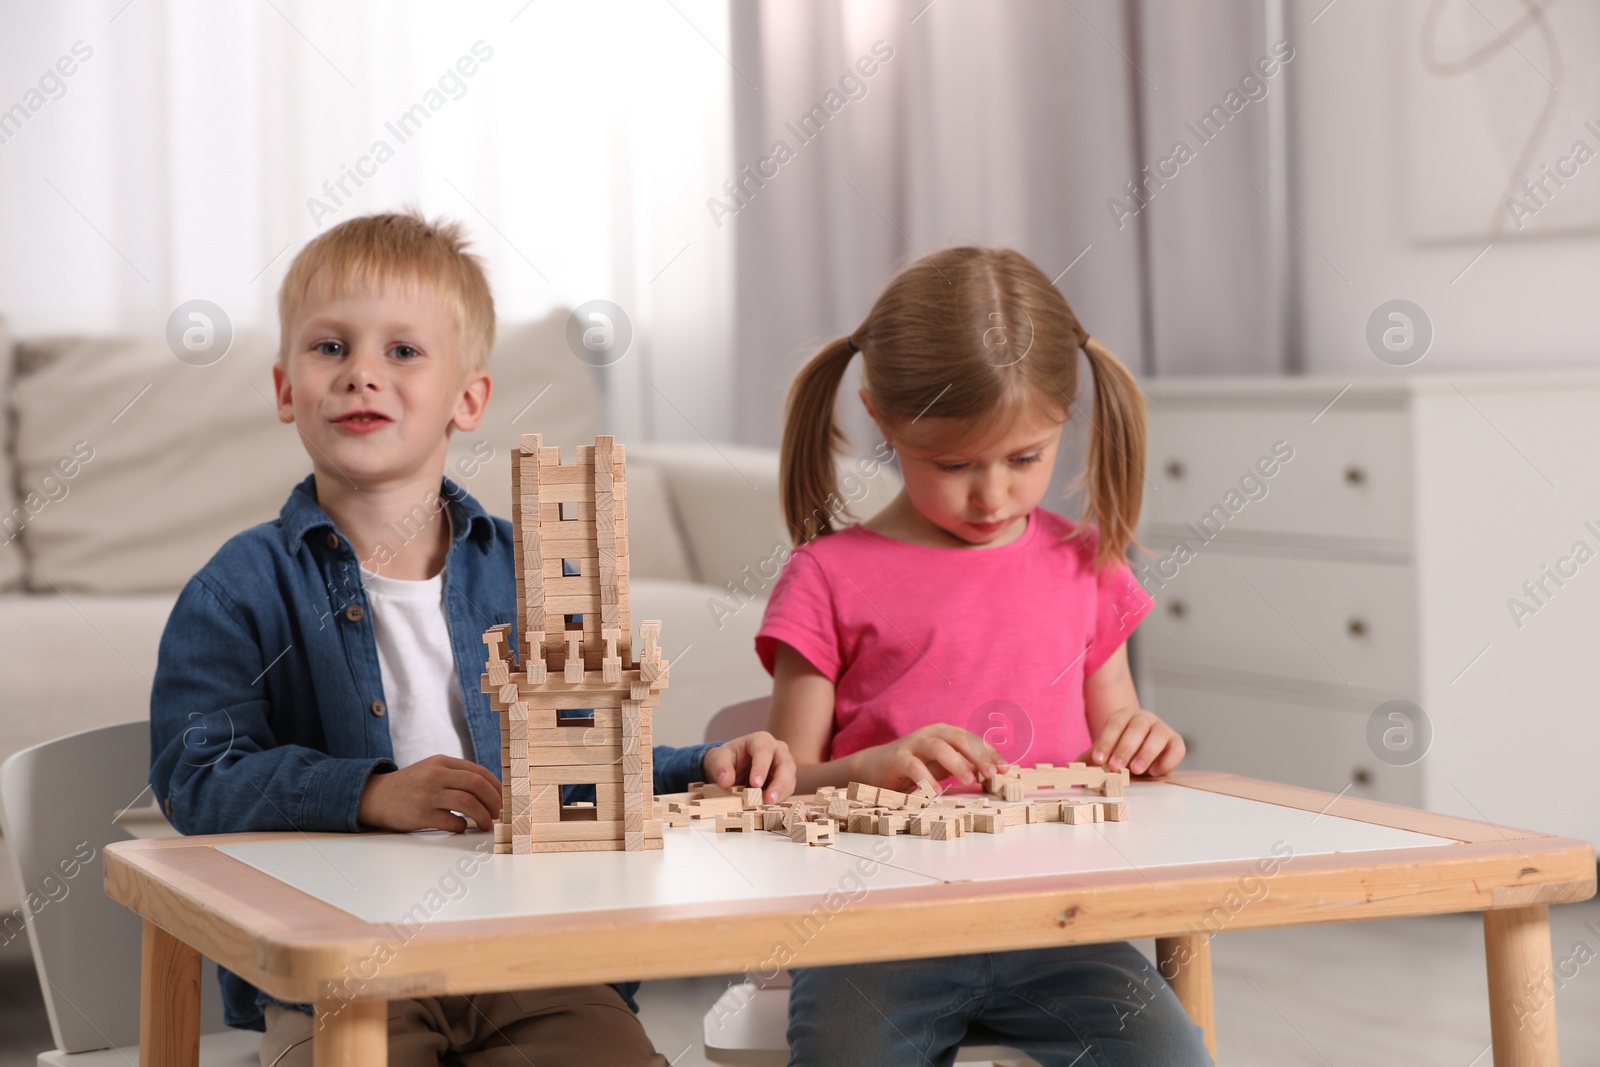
[(978, 487)]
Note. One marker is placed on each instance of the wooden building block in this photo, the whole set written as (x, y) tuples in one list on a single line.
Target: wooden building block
[(573, 671), (866, 794), (892, 822), (611, 663), (1116, 811), (737, 821), (533, 659), (813, 833), (889, 798), (1044, 811), (1076, 814), (711, 807), (862, 821), (988, 822), (945, 829)]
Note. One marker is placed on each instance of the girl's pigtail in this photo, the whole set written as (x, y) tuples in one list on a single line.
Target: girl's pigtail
[(1116, 453), (806, 470)]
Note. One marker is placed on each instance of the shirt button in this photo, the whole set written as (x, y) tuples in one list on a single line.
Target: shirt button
[(354, 612), (333, 540), (378, 708)]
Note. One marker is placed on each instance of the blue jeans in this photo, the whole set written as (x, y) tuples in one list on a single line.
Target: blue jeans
[(1077, 1006)]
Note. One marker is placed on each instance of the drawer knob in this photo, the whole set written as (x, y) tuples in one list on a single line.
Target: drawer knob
[(1175, 469), (1361, 776), (1177, 609), (1355, 476), (1356, 627)]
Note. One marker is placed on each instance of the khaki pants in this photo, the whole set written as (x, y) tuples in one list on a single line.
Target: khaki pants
[(546, 1027)]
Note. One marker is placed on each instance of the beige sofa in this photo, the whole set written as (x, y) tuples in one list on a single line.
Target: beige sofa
[(125, 468)]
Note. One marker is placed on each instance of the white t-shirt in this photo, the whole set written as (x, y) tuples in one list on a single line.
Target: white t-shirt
[(425, 708)]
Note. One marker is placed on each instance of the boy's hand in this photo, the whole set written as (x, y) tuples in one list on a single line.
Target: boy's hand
[(930, 754), (427, 794), (758, 758), (1138, 740)]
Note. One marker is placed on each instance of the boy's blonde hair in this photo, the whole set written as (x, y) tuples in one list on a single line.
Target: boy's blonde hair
[(943, 340), (373, 251)]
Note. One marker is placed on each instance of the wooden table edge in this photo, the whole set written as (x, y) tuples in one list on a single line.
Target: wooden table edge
[(1358, 809)]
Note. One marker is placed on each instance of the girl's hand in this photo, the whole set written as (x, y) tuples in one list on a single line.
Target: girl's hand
[(758, 758), (1138, 740), (929, 754)]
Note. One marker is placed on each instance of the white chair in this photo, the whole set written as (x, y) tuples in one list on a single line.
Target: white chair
[(748, 1024), (59, 803)]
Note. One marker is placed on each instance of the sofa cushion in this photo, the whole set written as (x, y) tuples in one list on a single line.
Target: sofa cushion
[(729, 507), (656, 547), (169, 460), (12, 516), (75, 662), (713, 659)]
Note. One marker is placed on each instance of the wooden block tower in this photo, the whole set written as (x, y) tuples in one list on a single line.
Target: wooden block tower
[(575, 707)]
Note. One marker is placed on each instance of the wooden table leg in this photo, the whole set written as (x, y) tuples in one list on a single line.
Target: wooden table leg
[(351, 1034), (169, 1001), (1522, 1007), (1185, 962)]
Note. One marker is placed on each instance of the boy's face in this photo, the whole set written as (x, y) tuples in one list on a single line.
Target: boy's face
[(394, 356)]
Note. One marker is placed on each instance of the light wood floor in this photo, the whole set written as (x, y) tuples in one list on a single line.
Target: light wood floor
[(1395, 993)]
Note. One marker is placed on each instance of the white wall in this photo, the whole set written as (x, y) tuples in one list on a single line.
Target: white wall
[(1529, 302)]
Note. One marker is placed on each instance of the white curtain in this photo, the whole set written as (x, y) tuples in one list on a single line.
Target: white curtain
[(196, 146), (1010, 124), (999, 124)]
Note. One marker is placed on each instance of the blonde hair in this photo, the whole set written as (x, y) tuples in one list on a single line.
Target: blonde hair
[(968, 333), (372, 251)]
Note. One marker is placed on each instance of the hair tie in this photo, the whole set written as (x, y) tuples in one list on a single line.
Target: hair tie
[(850, 340)]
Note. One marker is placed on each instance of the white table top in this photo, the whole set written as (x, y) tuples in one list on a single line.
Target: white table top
[(384, 878)]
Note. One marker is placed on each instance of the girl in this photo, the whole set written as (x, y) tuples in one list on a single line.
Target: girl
[(964, 606)]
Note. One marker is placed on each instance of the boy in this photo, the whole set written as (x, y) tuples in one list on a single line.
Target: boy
[(314, 676)]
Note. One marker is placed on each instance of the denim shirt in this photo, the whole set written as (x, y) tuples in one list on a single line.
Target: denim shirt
[(267, 711)]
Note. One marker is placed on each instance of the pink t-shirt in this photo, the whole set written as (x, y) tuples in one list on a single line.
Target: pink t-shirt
[(995, 640)]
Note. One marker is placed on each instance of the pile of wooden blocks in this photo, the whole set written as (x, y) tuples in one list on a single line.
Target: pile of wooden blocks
[(575, 655), (866, 809)]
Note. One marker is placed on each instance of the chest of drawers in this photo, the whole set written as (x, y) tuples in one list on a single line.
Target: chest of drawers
[(1318, 549)]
